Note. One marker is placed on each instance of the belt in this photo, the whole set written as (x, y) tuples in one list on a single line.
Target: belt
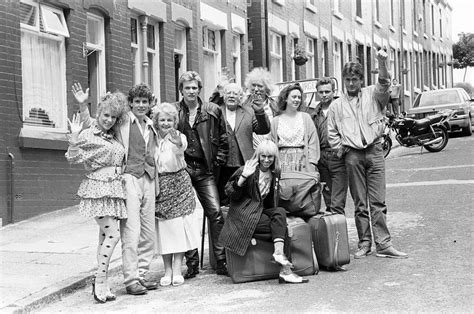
[(196, 164), (376, 142), (110, 170)]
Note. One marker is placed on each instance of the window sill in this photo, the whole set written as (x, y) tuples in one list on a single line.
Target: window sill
[(311, 8), (425, 36), (377, 24), (42, 139), (279, 2), (359, 20), (392, 29), (338, 15), (415, 34)]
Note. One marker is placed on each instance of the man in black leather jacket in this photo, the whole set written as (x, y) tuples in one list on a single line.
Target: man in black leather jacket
[(205, 129)]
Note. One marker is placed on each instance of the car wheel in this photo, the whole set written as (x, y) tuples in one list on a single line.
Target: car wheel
[(468, 129)]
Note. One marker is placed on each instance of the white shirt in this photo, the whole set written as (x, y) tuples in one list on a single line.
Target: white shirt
[(264, 181), (192, 116), (230, 117), (325, 111), (168, 156), (148, 125)]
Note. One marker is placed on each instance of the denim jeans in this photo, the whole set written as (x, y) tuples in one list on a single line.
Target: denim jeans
[(366, 173), (333, 173), (206, 191)]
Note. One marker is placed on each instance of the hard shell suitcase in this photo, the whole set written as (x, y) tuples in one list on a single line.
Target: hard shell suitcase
[(301, 247), (330, 240)]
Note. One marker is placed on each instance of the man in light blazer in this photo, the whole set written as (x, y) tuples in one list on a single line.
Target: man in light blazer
[(241, 121)]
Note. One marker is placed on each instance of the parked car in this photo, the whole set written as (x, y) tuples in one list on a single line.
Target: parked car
[(430, 102)]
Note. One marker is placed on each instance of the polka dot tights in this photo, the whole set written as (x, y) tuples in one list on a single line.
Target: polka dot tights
[(109, 235)]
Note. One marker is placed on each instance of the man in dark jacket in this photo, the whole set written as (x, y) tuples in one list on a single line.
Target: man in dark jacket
[(205, 130), (331, 167), (241, 122)]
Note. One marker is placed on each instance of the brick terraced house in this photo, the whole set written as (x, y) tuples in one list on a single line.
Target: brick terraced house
[(109, 45)]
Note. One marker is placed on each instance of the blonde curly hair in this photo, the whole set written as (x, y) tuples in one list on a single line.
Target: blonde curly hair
[(116, 102)]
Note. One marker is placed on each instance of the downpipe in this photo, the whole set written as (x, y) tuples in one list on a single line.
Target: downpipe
[(11, 201)]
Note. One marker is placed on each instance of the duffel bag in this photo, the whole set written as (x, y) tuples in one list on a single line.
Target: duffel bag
[(300, 193)]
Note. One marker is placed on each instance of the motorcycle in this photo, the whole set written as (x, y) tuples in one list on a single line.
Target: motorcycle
[(430, 132)]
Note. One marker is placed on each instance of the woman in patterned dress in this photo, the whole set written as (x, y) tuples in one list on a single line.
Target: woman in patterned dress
[(294, 132), (177, 226), (102, 192)]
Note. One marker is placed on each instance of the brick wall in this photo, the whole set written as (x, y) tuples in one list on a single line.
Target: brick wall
[(43, 180), (10, 89)]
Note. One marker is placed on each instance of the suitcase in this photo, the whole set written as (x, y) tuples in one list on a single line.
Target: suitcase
[(257, 263), (254, 265), (301, 247), (330, 240)]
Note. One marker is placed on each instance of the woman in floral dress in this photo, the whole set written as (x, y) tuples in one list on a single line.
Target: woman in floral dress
[(295, 133), (102, 192)]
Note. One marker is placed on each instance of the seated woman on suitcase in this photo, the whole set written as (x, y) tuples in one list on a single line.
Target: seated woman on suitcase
[(253, 212)]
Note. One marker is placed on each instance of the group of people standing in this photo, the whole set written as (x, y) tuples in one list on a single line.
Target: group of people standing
[(143, 172)]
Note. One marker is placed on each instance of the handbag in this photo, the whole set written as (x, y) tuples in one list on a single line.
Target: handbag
[(300, 192)]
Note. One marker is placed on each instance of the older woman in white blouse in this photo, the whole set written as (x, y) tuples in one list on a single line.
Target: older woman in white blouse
[(176, 224)]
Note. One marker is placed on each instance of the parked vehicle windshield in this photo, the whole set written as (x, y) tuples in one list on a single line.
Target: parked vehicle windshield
[(438, 98)]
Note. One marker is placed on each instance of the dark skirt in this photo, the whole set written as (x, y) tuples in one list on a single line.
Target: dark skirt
[(176, 198)]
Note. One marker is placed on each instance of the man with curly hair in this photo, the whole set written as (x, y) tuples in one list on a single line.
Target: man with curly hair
[(137, 135), (259, 85)]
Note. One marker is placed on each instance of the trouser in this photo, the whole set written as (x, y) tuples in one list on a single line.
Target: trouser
[(224, 176), (333, 173), (272, 222), (137, 232), (394, 106), (272, 225), (366, 173), (206, 191)]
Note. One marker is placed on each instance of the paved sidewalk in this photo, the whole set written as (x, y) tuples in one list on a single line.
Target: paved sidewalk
[(47, 256)]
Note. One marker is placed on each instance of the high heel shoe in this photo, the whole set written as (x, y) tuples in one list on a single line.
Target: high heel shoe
[(110, 296), (291, 278), (282, 260), (96, 297)]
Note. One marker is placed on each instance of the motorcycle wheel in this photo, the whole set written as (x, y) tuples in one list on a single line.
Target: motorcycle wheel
[(386, 145), (440, 132)]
